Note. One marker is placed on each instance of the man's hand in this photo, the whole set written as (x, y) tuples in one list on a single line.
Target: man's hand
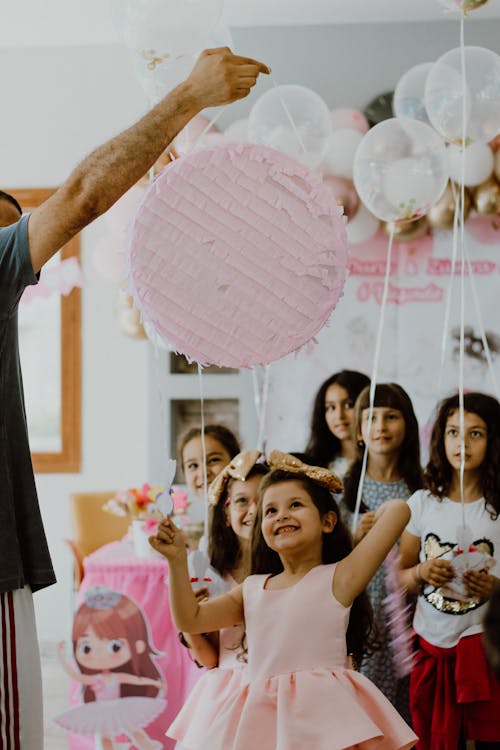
[(219, 77)]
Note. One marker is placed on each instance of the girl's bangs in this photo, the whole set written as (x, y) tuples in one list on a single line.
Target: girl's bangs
[(385, 396)]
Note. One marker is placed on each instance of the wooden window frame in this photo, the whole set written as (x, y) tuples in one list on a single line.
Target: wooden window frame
[(68, 460)]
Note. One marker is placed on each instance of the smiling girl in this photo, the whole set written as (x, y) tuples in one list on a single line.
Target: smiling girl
[(221, 445), (297, 690)]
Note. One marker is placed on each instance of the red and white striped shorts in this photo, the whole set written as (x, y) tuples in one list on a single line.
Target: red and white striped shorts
[(21, 710)]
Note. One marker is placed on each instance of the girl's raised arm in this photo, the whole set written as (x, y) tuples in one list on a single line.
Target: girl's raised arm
[(188, 615), (356, 570)]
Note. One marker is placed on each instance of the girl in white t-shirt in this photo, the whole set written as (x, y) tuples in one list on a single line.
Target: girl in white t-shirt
[(449, 555)]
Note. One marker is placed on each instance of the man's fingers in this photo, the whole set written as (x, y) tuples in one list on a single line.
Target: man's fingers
[(256, 64), (238, 59)]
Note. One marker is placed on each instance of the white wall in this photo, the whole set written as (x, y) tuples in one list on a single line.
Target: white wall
[(57, 104)]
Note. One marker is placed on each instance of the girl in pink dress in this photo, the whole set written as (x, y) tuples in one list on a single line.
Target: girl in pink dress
[(304, 613)]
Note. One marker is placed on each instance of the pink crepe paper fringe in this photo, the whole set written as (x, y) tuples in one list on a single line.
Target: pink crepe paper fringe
[(237, 256), (400, 633)]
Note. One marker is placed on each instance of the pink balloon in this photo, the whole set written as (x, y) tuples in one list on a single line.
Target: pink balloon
[(352, 119), (344, 192), (485, 229), (108, 256), (237, 255)]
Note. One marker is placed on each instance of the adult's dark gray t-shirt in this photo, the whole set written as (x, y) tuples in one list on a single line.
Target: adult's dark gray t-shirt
[(24, 555)]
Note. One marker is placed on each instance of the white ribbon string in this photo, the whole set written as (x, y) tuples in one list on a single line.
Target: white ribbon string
[(289, 116), (206, 128), (261, 440), (203, 447), (449, 291), (373, 382), (462, 276)]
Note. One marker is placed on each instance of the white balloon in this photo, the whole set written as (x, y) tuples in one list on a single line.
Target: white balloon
[(292, 119), (400, 169), (237, 132), (160, 30), (477, 162), (362, 227), (220, 37), (158, 80), (342, 146), (409, 94), (447, 99), (398, 189)]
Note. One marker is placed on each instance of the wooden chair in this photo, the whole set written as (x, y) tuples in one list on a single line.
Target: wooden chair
[(92, 526)]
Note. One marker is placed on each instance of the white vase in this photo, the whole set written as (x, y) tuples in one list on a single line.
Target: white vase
[(142, 546)]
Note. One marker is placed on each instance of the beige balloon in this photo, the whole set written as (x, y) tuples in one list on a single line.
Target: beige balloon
[(407, 231), (442, 213), (129, 317), (487, 198)]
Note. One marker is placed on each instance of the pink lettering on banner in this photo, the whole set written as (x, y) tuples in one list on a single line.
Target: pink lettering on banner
[(399, 295), (442, 267), (369, 267)]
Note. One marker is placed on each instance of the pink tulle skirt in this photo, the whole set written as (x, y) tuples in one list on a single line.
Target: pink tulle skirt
[(317, 709)]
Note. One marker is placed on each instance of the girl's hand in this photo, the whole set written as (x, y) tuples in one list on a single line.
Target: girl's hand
[(479, 583), (366, 523), (169, 541), (436, 572)]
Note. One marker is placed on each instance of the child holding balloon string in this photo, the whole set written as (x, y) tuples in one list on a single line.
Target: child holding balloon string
[(448, 555), (297, 689), (392, 471)]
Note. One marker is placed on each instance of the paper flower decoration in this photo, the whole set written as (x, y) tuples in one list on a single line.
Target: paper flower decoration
[(237, 255), (136, 502)]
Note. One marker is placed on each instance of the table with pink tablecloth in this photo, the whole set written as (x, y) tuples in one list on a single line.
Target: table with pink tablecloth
[(142, 579)]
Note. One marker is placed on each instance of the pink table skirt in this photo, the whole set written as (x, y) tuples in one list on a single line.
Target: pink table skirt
[(143, 581)]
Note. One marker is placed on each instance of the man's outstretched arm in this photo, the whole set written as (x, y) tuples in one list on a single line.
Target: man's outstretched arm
[(219, 77)]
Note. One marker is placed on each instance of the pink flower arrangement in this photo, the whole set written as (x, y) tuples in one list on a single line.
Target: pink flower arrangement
[(136, 502)]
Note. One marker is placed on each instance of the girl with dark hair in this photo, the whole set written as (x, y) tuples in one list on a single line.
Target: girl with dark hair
[(447, 551), (331, 442), (392, 471), (297, 689)]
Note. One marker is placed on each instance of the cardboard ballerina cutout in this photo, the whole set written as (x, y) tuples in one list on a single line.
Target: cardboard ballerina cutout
[(122, 686)]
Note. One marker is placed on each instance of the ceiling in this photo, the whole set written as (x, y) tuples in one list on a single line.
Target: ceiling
[(27, 23)]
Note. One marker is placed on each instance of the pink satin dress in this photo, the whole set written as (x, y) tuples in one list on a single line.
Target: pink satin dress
[(297, 691)]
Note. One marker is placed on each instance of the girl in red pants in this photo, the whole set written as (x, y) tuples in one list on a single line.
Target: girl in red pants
[(449, 554)]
